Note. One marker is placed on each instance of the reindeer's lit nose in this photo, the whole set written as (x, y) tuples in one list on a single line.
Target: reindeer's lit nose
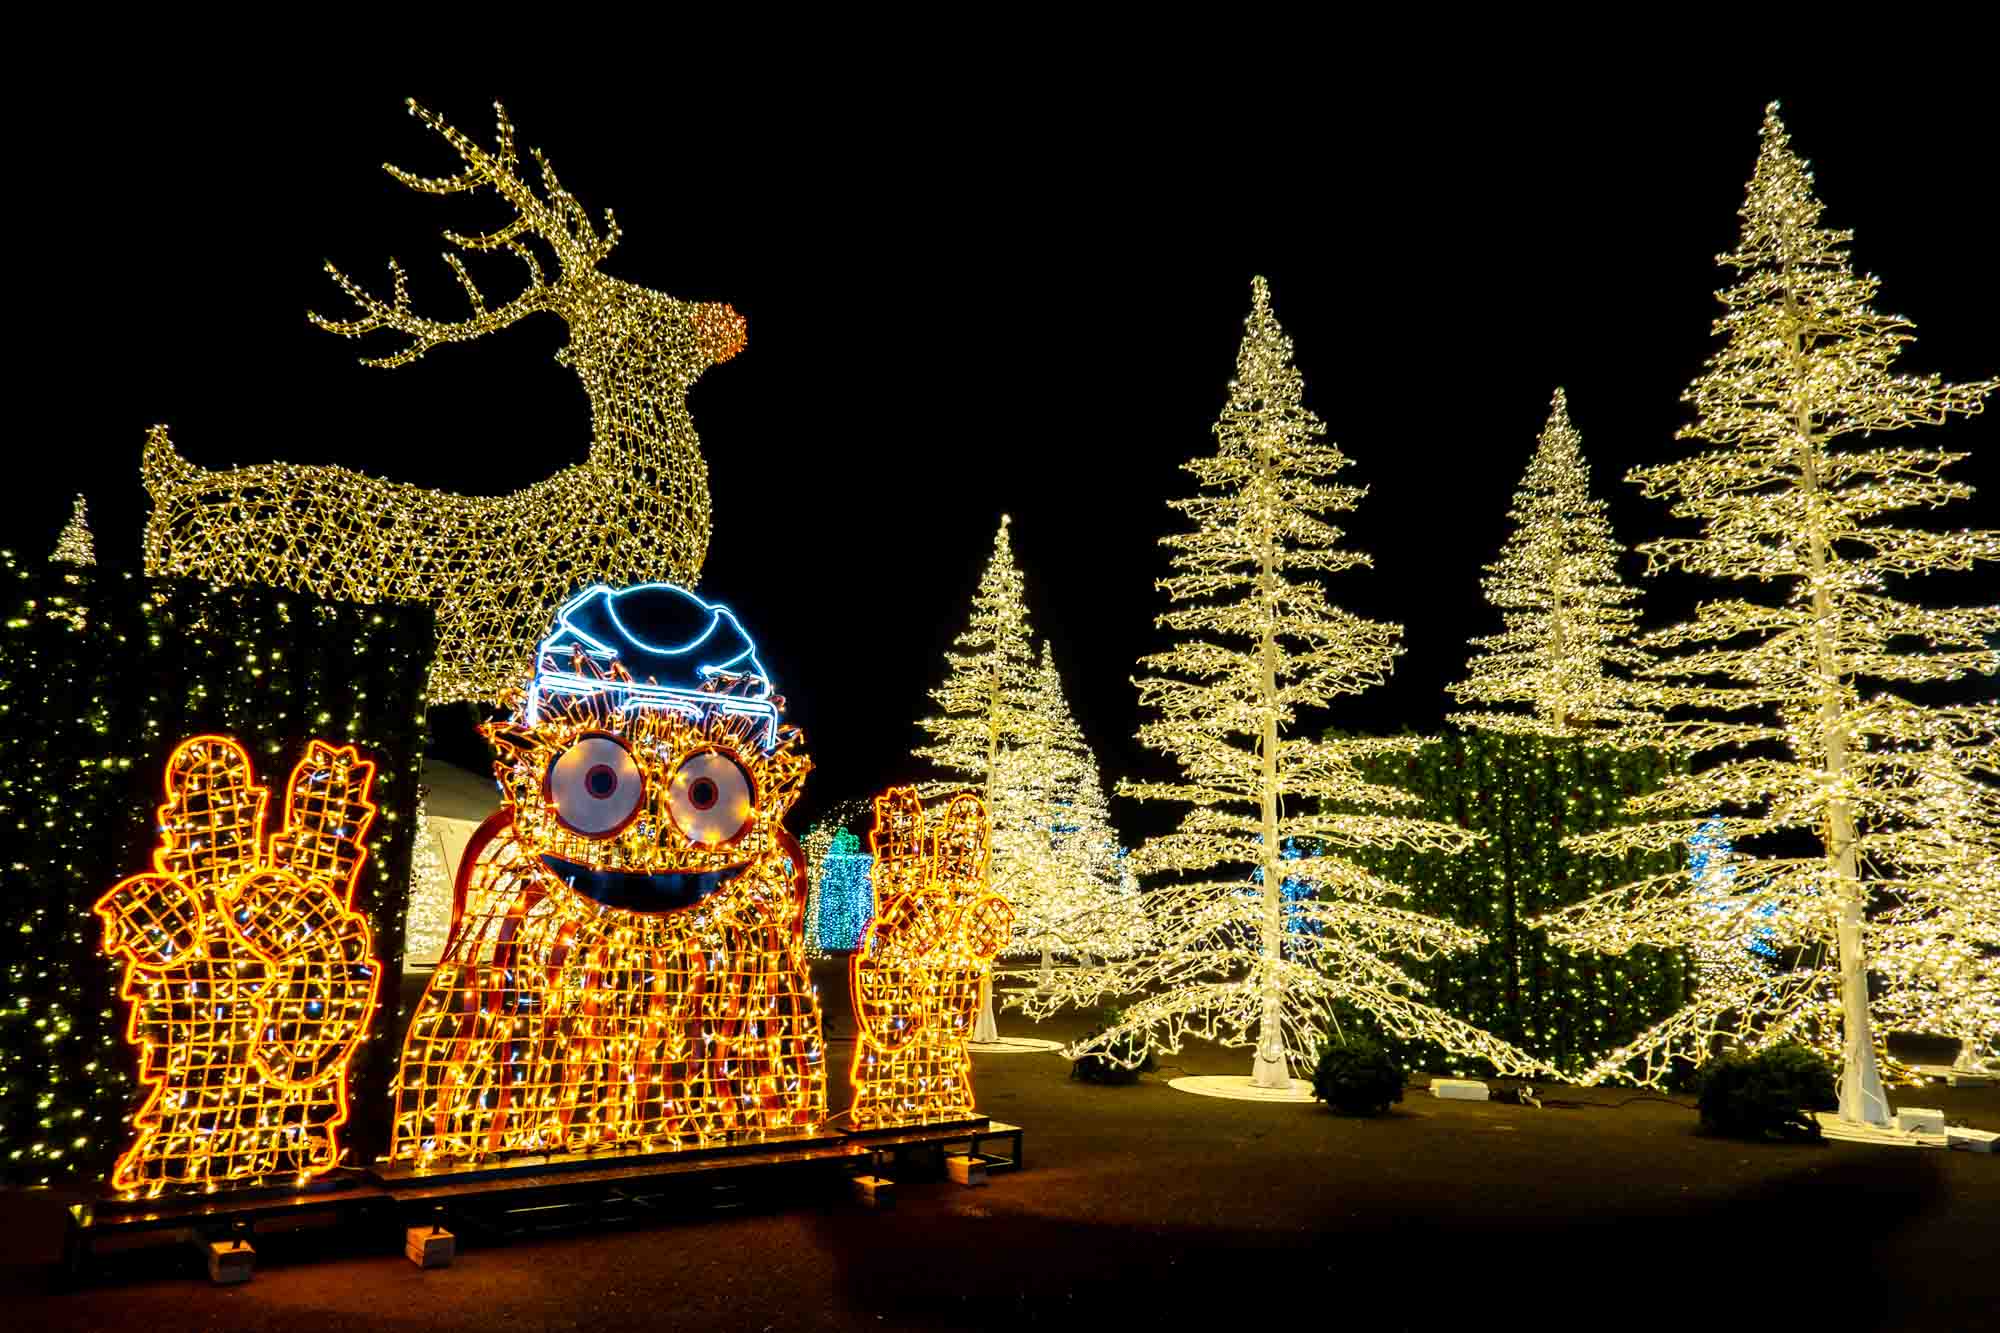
[(720, 331)]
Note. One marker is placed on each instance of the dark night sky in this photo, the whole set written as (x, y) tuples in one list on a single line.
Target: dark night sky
[(972, 299)]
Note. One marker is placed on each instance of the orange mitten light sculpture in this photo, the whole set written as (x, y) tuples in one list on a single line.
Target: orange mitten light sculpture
[(917, 977), (251, 977)]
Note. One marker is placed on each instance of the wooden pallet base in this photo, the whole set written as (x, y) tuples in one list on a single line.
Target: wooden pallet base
[(507, 1198)]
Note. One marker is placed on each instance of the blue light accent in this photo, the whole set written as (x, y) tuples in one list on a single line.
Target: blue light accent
[(1710, 845), (664, 675), (1291, 891), (846, 894)]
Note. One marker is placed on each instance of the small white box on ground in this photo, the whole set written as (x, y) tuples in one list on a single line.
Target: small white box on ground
[(1971, 1140), (230, 1261), (966, 1170), (429, 1247), (875, 1191), (1459, 1089), (1919, 1120)]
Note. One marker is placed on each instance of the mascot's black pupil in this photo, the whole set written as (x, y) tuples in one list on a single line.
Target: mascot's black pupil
[(701, 792), (600, 781)]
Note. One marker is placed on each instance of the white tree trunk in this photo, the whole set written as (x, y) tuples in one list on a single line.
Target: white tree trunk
[(1862, 1099), (986, 1029), (1267, 1068), (1861, 1096)]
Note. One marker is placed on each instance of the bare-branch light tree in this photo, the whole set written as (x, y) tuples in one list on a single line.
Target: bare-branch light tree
[(1791, 496), (1261, 644), (985, 714)]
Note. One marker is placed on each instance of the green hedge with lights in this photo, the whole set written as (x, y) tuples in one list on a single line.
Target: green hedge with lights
[(102, 673), (1526, 794)]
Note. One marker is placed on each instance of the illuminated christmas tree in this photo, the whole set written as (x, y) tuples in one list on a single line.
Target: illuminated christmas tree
[(833, 827), (428, 922), (987, 715), (1569, 618), (846, 896), (815, 844), (1260, 644), (1938, 949), (1791, 498), (74, 545), (992, 665)]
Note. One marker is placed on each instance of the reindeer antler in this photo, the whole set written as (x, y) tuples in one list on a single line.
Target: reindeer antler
[(559, 220)]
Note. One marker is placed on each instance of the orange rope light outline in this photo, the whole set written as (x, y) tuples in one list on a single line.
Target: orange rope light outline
[(568, 1013), (242, 961), (916, 979)]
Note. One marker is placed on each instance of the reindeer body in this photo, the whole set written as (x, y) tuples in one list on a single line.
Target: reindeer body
[(494, 567)]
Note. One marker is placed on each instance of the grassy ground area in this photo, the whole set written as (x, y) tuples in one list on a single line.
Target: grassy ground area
[(1142, 1205)]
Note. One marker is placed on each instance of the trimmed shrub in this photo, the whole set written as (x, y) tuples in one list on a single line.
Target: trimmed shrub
[(1112, 1066), (1767, 1096), (1527, 793), (1357, 1076)]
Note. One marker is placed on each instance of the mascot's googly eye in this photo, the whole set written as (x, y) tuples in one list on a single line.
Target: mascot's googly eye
[(595, 786), (711, 798)]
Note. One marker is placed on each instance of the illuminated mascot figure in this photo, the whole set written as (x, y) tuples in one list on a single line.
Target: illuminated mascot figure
[(627, 970)]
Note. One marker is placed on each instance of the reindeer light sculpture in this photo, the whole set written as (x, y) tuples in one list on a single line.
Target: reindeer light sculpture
[(494, 568)]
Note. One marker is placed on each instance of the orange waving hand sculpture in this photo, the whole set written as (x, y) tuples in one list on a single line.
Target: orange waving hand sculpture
[(251, 977), (917, 978)]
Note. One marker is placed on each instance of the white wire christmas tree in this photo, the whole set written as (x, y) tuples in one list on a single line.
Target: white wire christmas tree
[(1791, 498), (1262, 643), (427, 924), (74, 544), (991, 669), (986, 717), (1560, 666)]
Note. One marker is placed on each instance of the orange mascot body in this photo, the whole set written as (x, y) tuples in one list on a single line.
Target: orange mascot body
[(628, 969)]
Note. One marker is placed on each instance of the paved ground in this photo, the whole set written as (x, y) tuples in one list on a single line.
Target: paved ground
[(1144, 1205)]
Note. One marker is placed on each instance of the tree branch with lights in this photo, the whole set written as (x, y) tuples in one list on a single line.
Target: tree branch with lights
[(1937, 949)]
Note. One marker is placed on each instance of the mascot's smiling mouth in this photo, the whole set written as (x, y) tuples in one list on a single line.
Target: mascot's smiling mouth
[(628, 891)]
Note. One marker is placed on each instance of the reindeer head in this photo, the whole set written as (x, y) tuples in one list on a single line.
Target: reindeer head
[(609, 319)]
